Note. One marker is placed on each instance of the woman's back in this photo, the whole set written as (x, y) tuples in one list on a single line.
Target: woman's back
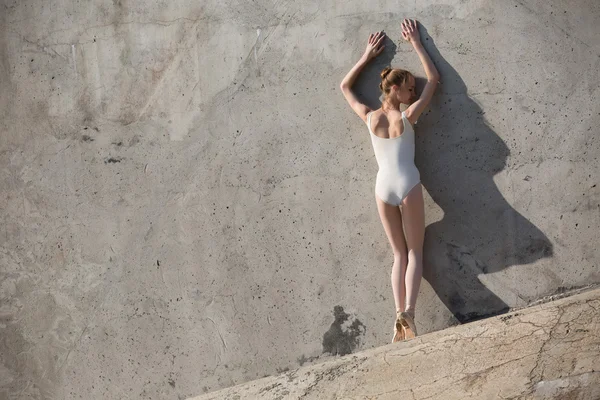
[(395, 156), (387, 126)]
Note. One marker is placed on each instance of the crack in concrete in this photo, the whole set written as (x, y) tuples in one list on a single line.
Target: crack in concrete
[(332, 372), (541, 350), (465, 376)]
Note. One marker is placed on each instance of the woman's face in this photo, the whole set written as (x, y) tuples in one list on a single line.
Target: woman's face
[(406, 93)]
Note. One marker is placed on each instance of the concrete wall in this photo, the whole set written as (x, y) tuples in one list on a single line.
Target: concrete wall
[(187, 200)]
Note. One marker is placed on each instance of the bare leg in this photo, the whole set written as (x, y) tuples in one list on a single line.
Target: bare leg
[(413, 213), (391, 218)]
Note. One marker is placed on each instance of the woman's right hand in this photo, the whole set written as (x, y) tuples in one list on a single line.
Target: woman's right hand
[(410, 31)]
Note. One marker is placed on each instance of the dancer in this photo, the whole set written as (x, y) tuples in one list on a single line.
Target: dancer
[(398, 190)]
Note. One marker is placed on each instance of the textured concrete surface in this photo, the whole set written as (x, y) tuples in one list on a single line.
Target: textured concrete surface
[(549, 351), (187, 201)]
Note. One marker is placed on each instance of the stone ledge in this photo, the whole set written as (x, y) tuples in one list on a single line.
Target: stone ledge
[(548, 351)]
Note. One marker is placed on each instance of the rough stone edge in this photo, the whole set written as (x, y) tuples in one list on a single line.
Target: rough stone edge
[(569, 296)]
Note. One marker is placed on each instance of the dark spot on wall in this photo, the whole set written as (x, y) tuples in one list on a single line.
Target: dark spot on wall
[(112, 160), (302, 359), (539, 247), (482, 267), (172, 383), (282, 370), (134, 140), (86, 138), (342, 338), (507, 317)]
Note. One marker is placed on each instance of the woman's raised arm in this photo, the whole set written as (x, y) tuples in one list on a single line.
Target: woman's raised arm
[(410, 32), (374, 48)]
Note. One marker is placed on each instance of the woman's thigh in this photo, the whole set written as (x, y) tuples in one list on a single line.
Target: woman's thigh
[(413, 214), (391, 218)]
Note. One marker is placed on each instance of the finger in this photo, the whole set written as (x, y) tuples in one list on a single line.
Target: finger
[(370, 37), (404, 35), (379, 41), (380, 49)]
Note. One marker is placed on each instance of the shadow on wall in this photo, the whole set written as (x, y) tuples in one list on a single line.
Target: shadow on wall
[(457, 156)]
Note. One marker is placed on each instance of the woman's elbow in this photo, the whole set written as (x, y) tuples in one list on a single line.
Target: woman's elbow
[(434, 77)]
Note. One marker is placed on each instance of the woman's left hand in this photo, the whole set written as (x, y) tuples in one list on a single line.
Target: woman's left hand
[(375, 46)]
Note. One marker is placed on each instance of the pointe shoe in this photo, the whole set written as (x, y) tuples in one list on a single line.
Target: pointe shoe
[(398, 330), (407, 322)]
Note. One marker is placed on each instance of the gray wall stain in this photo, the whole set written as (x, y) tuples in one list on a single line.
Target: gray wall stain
[(343, 337)]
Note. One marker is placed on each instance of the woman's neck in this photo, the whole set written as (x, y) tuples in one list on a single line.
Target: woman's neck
[(390, 105)]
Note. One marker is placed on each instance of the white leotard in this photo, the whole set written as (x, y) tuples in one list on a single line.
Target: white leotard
[(397, 173)]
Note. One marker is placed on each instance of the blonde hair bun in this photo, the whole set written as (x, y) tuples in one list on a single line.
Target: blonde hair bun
[(391, 77)]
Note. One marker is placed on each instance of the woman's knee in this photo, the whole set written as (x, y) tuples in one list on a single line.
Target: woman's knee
[(416, 253), (401, 257)]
